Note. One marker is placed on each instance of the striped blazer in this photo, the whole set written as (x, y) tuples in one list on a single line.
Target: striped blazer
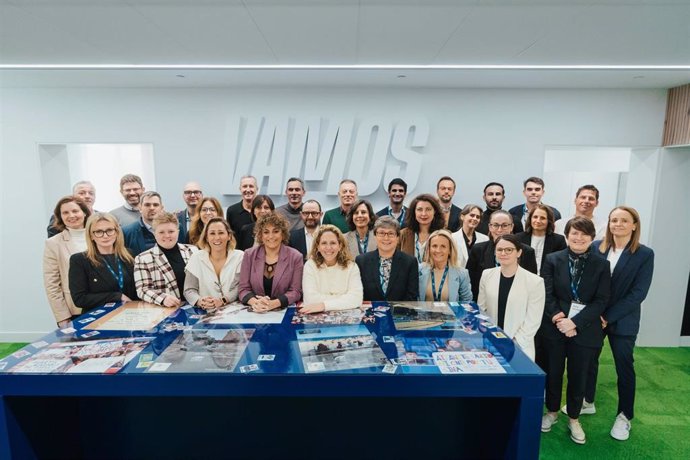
[(154, 277)]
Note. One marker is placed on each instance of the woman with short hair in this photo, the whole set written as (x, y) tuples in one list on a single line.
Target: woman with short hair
[(360, 221), (331, 279), (104, 272), (440, 276)]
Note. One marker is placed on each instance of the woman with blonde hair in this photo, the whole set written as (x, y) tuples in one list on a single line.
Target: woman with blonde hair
[(207, 209), (331, 279), (103, 273), (213, 273), (70, 215), (440, 276)]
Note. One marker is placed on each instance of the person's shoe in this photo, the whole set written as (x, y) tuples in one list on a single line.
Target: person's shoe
[(577, 434), (547, 421), (588, 408), (621, 428)]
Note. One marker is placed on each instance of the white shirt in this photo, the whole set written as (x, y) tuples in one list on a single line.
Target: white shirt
[(77, 240), (613, 258), (201, 279), (309, 239), (537, 243), (337, 287)]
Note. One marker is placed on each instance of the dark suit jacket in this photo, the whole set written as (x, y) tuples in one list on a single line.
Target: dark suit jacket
[(630, 283), (482, 256), (519, 211), (483, 226), (299, 241), (184, 229), (93, 286), (404, 281), (552, 243), (454, 223), (594, 291), (287, 279), (245, 238)]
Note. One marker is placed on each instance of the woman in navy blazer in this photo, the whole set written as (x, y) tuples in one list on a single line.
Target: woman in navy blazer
[(632, 266), (440, 276), (577, 286), (271, 273)]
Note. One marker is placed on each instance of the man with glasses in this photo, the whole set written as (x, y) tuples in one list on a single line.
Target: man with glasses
[(397, 190), (192, 195), (302, 238), (483, 255), (131, 188), (139, 236), (294, 190), (494, 194), (387, 272)]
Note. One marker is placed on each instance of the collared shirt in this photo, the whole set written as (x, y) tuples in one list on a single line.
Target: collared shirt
[(309, 239)]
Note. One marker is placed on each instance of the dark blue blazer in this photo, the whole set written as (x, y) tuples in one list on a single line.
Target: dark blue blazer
[(594, 292), (404, 281), (299, 241), (630, 283)]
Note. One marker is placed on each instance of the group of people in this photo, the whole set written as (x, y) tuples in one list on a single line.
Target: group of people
[(556, 286)]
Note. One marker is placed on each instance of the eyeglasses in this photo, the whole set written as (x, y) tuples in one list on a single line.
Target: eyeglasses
[(192, 192), (211, 209), (501, 226), (311, 213), (107, 231), (386, 234), (506, 251)]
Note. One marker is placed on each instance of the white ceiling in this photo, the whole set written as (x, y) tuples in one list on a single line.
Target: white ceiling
[(346, 32)]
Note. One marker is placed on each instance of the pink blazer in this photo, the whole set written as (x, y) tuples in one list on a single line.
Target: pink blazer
[(287, 279)]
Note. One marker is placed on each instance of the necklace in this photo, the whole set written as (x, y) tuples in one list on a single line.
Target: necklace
[(270, 267)]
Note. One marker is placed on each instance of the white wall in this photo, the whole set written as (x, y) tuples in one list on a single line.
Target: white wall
[(476, 136)]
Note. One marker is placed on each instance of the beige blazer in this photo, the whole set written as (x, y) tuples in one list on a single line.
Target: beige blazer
[(524, 308), (56, 254), (351, 239), (462, 249)]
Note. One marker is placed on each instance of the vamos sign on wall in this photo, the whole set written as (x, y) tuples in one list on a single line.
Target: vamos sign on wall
[(370, 151)]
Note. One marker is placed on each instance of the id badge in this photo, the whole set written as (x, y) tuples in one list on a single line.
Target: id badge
[(575, 309)]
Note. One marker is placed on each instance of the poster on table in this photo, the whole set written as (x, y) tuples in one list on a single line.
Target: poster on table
[(328, 318), (339, 348), (132, 316), (106, 356), (203, 350), (467, 362), (236, 313), (426, 316)]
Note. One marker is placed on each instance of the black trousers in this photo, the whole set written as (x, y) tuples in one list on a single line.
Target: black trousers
[(556, 353), (622, 347)]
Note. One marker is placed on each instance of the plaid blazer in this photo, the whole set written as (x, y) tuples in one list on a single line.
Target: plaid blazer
[(154, 277)]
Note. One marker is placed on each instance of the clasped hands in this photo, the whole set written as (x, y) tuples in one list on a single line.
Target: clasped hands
[(263, 303), (565, 325), (209, 303)]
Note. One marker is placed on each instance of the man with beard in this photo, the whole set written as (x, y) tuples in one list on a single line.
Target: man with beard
[(347, 192), (131, 188), (494, 194), (291, 210), (239, 214), (586, 200), (483, 255), (445, 190), (139, 236), (302, 238), (533, 190), (192, 195), (397, 190)]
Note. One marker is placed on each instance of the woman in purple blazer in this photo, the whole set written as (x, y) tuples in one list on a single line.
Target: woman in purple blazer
[(271, 273)]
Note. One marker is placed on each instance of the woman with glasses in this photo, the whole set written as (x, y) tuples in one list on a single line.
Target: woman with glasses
[(205, 211), (425, 217), (440, 277), (539, 234), (271, 272), (578, 285), (213, 273), (159, 273), (104, 272), (387, 272), (261, 205), (511, 296), (467, 236), (360, 221), (331, 279), (69, 217)]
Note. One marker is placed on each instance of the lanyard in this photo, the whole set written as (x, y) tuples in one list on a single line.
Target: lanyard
[(362, 245), (119, 277), (575, 280), (418, 248), (400, 218), (437, 295)]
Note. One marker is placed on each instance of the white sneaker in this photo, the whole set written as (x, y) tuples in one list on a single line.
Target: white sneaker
[(621, 428), (587, 408), (547, 421), (577, 434)]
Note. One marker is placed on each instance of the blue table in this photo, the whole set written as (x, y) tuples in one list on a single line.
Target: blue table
[(371, 387)]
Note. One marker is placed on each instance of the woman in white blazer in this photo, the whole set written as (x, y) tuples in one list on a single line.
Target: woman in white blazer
[(70, 215), (466, 237), (512, 296), (213, 273)]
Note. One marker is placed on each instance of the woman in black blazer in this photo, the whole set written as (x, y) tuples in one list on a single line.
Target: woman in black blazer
[(104, 272), (577, 286), (539, 234), (632, 266)]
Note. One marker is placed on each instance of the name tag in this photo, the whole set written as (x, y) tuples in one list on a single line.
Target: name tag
[(575, 309)]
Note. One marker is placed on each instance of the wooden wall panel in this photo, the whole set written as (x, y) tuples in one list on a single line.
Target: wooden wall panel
[(677, 123)]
